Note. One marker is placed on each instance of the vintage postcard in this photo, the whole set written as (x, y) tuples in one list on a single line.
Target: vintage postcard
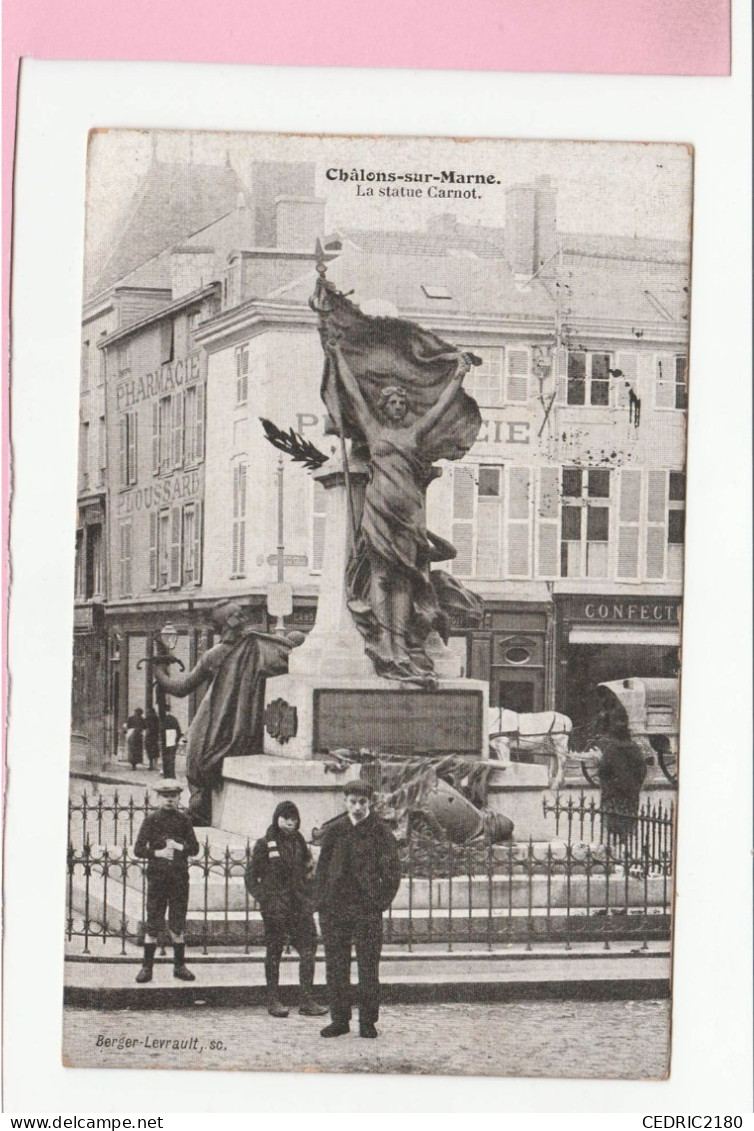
[(377, 611)]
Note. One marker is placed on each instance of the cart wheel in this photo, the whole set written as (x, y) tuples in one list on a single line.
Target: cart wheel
[(593, 781), (669, 766)]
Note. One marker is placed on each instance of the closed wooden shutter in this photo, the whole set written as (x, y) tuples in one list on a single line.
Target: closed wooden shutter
[(175, 546), (177, 407), (548, 513), (153, 549), (560, 372), (238, 549), (123, 450), (629, 519), (132, 454), (198, 541), (665, 380), (155, 438), (657, 493), (464, 495), (519, 522), (126, 573), (517, 375), (627, 363), (199, 434)]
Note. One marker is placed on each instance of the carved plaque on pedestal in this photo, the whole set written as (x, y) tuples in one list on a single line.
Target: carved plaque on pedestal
[(399, 721)]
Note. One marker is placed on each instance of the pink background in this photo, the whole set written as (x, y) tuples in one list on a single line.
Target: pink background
[(668, 37)]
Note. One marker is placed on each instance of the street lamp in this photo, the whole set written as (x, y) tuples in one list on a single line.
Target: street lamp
[(169, 636)]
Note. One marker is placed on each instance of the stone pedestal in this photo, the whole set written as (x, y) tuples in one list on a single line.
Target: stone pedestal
[(516, 791), (253, 786)]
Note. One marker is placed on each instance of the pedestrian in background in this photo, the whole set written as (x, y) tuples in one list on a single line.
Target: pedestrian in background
[(151, 736), (358, 875), (172, 733), (279, 877), (166, 840), (134, 729)]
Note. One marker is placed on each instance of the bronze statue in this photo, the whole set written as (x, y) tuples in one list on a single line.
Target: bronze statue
[(396, 390), (229, 721)]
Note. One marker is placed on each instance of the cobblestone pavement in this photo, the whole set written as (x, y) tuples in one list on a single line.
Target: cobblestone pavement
[(578, 1039)]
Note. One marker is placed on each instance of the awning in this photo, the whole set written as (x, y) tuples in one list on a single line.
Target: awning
[(595, 634)]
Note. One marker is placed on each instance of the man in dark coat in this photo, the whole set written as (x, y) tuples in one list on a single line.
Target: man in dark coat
[(358, 875), (152, 737), (622, 770), (166, 840), (279, 877)]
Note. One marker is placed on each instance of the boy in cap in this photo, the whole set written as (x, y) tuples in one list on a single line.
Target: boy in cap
[(358, 875), (279, 877), (166, 840)]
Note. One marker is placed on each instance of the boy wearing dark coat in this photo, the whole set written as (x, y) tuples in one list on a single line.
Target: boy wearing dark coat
[(166, 840), (279, 877), (358, 875)]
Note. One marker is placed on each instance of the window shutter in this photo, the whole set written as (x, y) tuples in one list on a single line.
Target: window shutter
[(175, 546), (656, 520), (155, 438), (198, 541), (242, 518), (517, 541), (627, 363), (464, 493), (234, 524), (629, 516), (665, 380), (131, 456), (166, 341), (517, 374), (488, 533), (318, 526), (153, 549), (127, 562), (123, 450), (199, 434), (177, 406), (547, 521)]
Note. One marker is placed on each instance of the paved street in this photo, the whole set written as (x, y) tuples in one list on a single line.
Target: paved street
[(579, 1039)]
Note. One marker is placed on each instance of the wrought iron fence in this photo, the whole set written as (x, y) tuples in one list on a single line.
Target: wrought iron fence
[(590, 883)]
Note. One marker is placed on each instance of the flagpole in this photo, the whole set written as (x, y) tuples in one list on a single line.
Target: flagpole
[(343, 449)]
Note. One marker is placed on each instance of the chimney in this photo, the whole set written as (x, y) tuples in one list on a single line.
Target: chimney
[(298, 221), (546, 224), (531, 232), (520, 207), (270, 180)]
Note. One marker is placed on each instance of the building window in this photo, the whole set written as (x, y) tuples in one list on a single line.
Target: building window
[(78, 582), (191, 540), (516, 375), (127, 448), (125, 573), (489, 489), (163, 549), (585, 522), (491, 521), (84, 454), (319, 510), (485, 382), (238, 525), (242, 375), (166, 341), (588, 378), (671, 389), (85, 364), (123, 358), (101, 451), (94, 562), (193, 426)]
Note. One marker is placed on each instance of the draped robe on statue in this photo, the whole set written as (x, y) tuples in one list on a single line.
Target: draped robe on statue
[(391, 351)]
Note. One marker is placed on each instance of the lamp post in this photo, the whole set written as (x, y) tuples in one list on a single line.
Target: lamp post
[(164, 641)]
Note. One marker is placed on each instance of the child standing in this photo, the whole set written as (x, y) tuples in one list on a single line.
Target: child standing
[(166, 840)]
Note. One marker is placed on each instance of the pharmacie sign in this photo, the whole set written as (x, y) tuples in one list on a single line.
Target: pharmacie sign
[(169, 377)]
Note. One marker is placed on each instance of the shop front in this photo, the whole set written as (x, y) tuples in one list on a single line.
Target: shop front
[(602, 638), (512, 652)]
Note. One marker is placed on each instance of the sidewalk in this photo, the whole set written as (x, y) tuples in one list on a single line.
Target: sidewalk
[(426, 974)]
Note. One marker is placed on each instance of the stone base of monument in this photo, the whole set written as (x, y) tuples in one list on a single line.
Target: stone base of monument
[(315, 713), (253, 786), (516, 791)]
